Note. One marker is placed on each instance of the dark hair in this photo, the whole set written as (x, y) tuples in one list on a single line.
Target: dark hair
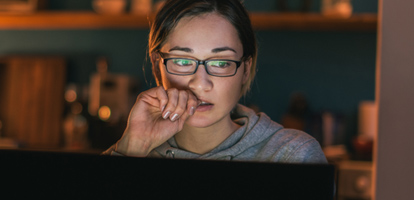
[(232, 10)]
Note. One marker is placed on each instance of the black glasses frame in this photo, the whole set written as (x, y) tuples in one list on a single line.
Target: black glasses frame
[(202, 62)]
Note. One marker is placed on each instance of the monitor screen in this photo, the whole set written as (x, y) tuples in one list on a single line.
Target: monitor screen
[(73, 175)]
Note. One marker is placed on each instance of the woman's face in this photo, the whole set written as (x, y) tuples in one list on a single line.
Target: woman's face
[(205, 37)]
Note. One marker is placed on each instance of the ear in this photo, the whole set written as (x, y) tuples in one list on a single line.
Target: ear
[(155, 61), (247, 68), (155, 57)]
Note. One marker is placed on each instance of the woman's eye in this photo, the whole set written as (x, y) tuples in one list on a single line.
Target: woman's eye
[(182, 62), (220, 64)]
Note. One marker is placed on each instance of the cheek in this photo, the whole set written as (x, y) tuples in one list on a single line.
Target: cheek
[(231, 89)]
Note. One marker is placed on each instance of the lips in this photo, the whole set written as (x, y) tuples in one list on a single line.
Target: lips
[(204, 106), (204, 103)]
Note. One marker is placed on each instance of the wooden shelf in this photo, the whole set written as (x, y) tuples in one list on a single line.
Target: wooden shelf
[(313, 22), (72, 20), (260, 21)]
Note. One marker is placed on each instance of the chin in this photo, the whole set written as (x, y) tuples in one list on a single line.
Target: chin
[(199, 122), (202, 120)]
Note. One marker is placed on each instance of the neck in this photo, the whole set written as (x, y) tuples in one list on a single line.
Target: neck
[(203, 140)]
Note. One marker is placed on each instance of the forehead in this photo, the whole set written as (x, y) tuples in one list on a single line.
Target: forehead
[(203, 33)]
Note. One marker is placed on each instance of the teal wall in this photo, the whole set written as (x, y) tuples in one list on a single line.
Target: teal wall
[(334, 70), (315, 5)]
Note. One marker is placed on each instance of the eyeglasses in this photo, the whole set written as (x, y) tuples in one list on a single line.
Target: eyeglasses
[(214, 67)]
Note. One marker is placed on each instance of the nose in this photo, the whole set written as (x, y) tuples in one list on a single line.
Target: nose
[(200, 81)]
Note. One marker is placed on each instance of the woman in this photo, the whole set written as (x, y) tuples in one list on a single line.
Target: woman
[(203, 55)]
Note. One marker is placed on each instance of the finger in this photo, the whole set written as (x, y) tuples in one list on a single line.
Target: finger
[(163, 97), (172, 102), (192, 103), (155, 97), (181, 105)]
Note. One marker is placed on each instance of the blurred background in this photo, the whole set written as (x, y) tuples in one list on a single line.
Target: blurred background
[(311, 77), (71, 70)]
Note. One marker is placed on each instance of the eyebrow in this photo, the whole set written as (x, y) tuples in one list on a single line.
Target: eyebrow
[(177, 48), (189, 50), (220, 49)]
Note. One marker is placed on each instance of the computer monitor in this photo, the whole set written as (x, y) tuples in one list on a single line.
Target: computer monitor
[(60, 175)]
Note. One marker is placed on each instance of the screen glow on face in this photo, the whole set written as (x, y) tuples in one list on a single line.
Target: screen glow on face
[(219, 64), (186, 66), (183, 62)]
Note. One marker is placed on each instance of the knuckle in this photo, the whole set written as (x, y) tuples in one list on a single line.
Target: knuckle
[(172, 94), (179, 110), (183, 94), (140, 96), (172, 90), (160, 89)]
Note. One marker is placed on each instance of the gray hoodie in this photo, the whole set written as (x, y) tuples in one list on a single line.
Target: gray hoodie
[(258, 139)]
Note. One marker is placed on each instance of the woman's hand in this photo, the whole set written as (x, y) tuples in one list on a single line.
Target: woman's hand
[(157, 115)]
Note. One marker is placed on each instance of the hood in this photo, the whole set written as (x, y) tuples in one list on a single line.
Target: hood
[(254, 130)]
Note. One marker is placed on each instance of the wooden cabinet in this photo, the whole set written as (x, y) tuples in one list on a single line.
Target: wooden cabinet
[(32, 103)]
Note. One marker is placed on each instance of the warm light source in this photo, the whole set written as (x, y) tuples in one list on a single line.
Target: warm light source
[(70, 95), (104, 113), (76, 108)]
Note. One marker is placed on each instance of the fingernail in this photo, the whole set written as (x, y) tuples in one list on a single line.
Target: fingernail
[(174, 117), (165, 116), (162, 110), (192, 110)]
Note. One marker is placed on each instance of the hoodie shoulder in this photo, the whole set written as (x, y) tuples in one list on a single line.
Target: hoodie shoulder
[(294, 146), (267, 140)]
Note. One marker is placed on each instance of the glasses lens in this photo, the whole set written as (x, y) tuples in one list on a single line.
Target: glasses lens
[(221, 67), (181, 66)]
